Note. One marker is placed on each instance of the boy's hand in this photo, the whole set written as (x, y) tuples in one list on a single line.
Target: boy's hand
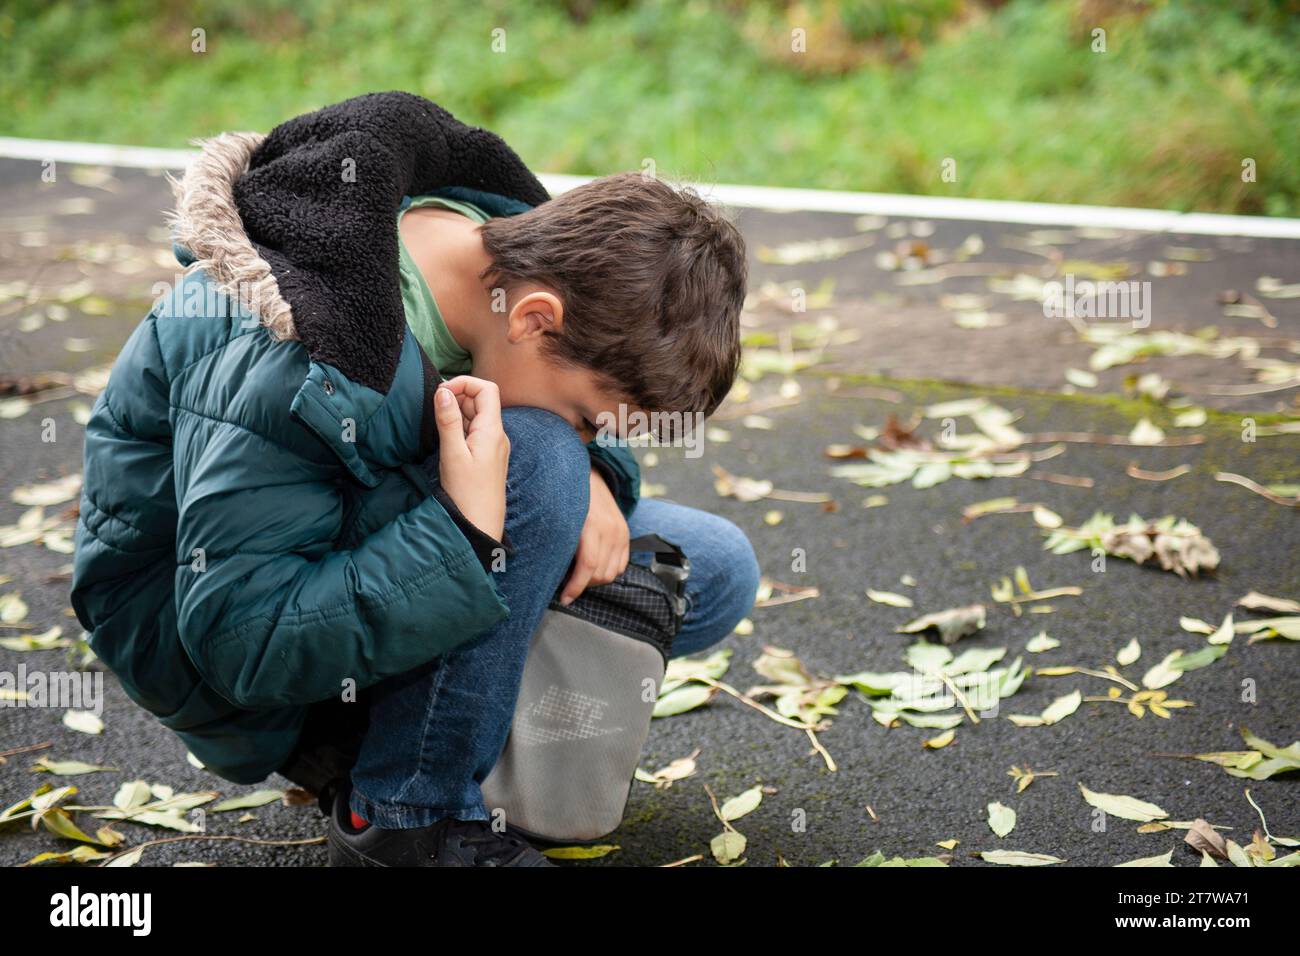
[(603, 546), (474, 450)]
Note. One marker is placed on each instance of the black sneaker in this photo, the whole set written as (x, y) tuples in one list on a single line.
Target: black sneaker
[(444, 843)]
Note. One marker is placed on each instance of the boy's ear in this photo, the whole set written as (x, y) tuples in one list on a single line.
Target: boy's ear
[(535, 314)]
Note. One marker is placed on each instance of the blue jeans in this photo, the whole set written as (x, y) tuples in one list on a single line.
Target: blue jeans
[(436, 731)]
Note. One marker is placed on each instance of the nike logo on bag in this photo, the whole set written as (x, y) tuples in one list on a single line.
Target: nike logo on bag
[(562, 714)]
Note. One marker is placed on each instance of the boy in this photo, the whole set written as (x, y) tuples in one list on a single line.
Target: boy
[(305, 552)]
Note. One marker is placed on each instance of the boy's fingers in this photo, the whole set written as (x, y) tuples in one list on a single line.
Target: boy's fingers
[(574, 586), (451, 428), (477, 396), (611, 567), (579, 578)]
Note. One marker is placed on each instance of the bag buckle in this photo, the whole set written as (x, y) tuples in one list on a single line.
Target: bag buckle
[(670, 565)]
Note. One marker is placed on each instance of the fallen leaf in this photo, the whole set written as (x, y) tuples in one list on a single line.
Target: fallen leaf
[(1129, 653), (742, 489), (1224, 634), (943, 740), (83, 721), (895, 436), (50, 493), (68, 768), (890, 598), (1124, 807), (665, 777), (580, 852), (1041, 642), (13, 609), (1279, 759), (952, 624), (1164, 859), (129, 858), (990, 507), (1164, 673), (679, 701), (1256, 601), (1145, 433), (258, 798), (738, 806), (1025, 777), (728, 847), (1054, 713), (1002, 819), (1203, 837), (1018, 858), (79, 854), (1047, 518)]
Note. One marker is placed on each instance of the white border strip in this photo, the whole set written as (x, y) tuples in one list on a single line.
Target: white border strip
[(778, 199), (95, 154)]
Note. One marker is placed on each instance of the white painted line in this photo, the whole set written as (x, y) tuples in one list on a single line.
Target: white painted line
[(1000, 210), (95, 154), (779, 199)]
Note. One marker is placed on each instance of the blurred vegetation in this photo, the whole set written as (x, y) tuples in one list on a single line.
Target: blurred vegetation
[(882, 94)]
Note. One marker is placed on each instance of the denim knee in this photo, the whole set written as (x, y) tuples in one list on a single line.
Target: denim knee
[(549, 466), (745, 573), (722, 586), (736, 583)]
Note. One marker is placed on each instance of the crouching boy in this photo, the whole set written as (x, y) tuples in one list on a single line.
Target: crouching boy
[(342, 467)]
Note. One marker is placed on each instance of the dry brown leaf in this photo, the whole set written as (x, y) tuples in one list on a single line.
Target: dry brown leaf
[(1203, 838)]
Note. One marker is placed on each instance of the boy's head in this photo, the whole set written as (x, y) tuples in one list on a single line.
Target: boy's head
[(621, 291)]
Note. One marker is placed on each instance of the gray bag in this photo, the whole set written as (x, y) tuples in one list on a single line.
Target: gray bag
[(589, 686)]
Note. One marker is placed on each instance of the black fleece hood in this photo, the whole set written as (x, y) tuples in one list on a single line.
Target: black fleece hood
[(306, 217)]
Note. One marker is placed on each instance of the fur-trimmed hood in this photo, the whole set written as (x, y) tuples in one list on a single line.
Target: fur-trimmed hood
[(206, 223), (300, 225)]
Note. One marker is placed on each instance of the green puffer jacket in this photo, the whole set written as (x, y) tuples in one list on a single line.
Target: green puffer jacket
[(255, 529)]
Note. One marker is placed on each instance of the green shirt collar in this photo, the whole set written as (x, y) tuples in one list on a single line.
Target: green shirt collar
[(422, 313)]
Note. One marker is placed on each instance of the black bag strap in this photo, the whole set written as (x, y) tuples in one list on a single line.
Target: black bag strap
[(670, 565)]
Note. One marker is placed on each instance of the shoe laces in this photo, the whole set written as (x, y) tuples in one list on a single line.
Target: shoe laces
[(479, 834)]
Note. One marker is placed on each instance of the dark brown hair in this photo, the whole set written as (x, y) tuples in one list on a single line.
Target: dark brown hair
[(652, 279)]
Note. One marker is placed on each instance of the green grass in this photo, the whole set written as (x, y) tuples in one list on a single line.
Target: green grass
[(708, 90)]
